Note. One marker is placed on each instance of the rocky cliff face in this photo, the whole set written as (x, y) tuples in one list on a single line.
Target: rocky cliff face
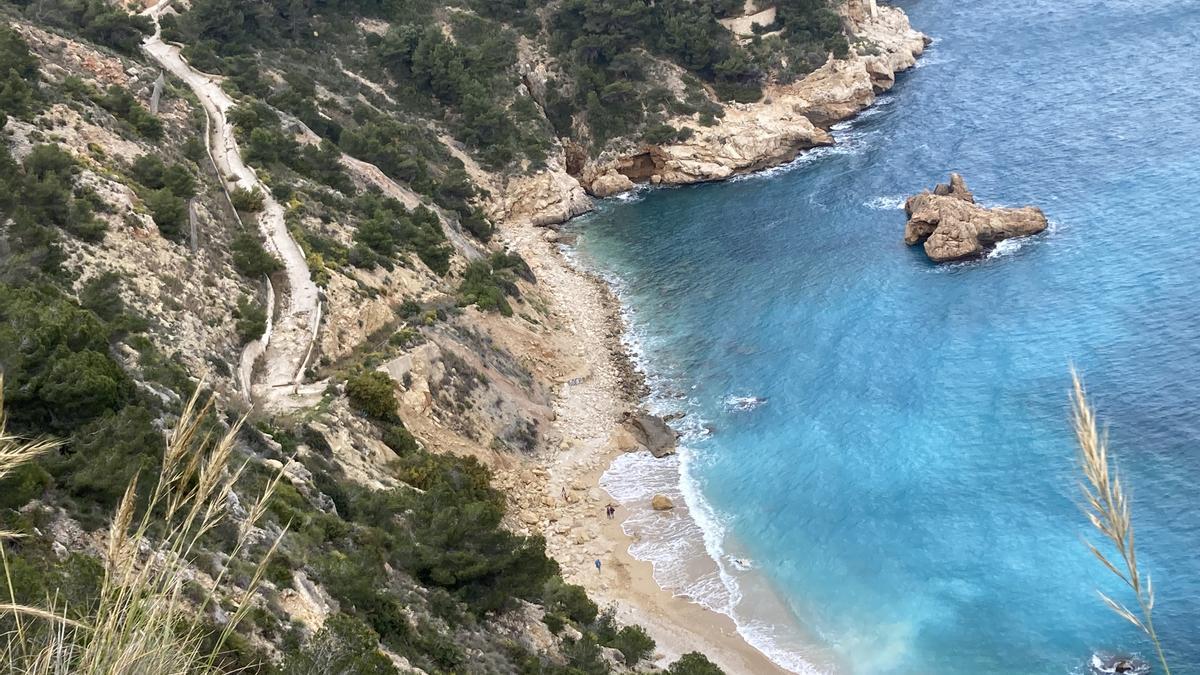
[(952, 226), (788, 120)]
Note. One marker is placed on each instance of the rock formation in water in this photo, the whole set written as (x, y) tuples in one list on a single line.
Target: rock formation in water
[(662, 503), (653, 433), (952, 226)]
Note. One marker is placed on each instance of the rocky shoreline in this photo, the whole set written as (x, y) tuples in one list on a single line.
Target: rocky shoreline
[(559, 496), (790, 119)]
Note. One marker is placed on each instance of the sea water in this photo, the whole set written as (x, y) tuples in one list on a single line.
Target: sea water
[(878, 473)]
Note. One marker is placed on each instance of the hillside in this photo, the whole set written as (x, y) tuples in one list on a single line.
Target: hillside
[(329, 217)]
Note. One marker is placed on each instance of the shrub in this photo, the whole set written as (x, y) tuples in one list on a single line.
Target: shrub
[(634, 644), (170, 212), (55, 356), (26, 483), (374, 394), (399, 439), (694, 663), (99, 21), (118, 101), (570, 600), (247, 200), (343, 645), (250, 320), (250, 259), (487, 283), (18, 75), (106, 454)]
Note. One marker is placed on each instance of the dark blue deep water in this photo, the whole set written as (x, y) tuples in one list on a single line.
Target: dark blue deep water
[(908, 489)]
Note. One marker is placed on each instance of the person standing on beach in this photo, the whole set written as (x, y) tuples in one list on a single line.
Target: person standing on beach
[(597, 565)]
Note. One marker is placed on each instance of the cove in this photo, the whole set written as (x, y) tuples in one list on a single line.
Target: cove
[(887, 441)]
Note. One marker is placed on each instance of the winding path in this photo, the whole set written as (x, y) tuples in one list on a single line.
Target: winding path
[(289, 340)]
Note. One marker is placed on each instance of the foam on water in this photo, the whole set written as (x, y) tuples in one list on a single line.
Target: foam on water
[(886, 203), (907, 497)]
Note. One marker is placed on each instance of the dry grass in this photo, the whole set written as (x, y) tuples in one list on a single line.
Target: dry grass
[(142, 623), (1107, 508)]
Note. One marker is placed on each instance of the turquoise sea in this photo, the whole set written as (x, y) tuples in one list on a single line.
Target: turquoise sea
[(884, 443)]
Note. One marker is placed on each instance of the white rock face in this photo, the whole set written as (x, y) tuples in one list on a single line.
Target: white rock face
[(546, 198), (789, 119)]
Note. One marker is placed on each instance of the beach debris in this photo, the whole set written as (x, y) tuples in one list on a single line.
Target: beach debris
[(953, 227), (662, 503)]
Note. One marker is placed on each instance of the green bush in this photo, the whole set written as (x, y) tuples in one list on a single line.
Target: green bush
[(570, 600), (634, 644), (488, 283), (105, 455), (694, 663), (152, 173), (247, 200), (374, 394), (27, 483), (390, 228), (170, 212), (18, 75), (98, 21), (343, 645), (55, 357), (399, 439), (118, 101), (250, 320), (250, 259)]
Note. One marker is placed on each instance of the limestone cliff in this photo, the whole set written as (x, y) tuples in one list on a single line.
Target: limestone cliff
[(789, 119)]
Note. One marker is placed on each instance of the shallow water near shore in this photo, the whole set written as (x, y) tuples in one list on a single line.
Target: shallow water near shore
[(885, 443)]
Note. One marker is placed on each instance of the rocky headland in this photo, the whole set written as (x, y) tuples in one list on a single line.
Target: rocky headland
[(790, 119), (953, 227)]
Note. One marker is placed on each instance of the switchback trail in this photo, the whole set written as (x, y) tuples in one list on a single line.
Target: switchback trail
[(287, 345)]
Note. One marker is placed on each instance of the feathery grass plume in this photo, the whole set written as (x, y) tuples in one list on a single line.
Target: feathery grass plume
[(1107, 508), (142, 622)]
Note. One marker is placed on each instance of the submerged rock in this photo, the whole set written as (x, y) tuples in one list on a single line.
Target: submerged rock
[(952, 226)]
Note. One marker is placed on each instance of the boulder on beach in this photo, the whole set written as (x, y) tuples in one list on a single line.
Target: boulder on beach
[(952, 226), (662, 503), (653, 432)]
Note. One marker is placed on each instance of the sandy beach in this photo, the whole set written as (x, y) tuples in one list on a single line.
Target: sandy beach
[(600, 387)]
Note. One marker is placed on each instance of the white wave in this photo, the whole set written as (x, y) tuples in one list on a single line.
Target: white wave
[(743, 403), (637, 194), (673, 542), (1006, 247), (885, 202)]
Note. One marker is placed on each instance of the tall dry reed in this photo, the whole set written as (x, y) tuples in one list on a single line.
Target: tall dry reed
[(1107, 508), (142, 623)]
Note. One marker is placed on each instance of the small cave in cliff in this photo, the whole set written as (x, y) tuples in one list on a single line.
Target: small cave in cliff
[(641, 167)]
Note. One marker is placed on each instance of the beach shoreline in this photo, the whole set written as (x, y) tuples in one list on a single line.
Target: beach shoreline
[(598, 383), (569, 510)]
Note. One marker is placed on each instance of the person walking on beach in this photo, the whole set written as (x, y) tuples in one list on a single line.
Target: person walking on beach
[(597, 565), (610, 510)]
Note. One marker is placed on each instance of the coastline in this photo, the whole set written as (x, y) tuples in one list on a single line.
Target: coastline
[(562, 496), (589, 408)]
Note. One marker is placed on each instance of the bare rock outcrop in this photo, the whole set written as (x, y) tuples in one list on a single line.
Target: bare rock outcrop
[(662, 503), (789, 119), (952, 226), (653, 432), (546, 198)]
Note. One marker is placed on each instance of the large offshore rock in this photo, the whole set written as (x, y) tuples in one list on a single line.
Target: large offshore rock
[(952, 226)]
